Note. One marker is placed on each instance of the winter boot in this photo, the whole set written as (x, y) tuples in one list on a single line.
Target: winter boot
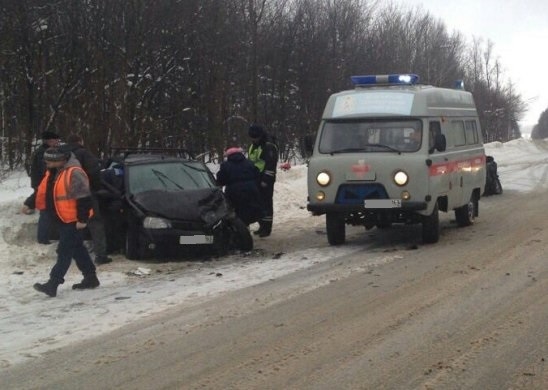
[(102, 260), (259, 230), (265, 229), (49, 288), (89, 281)]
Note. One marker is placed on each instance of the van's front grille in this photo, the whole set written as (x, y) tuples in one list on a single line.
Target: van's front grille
[(356, 193)]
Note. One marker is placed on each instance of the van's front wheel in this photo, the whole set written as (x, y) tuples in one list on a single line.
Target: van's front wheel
[(431, 227), (336, 229)]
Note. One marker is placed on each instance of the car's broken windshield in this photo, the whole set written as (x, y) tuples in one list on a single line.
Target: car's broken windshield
[(170, 176)]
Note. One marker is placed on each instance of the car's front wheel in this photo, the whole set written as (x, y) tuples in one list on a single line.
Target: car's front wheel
[(133, 248), (240, 236)]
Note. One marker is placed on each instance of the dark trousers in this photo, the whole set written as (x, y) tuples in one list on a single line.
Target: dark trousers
[(267, 195), (71, 246), (44, 224), (96, 228)]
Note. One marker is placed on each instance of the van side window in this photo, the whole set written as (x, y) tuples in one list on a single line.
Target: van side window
[(459, 136), (471, 132), (434, 129)]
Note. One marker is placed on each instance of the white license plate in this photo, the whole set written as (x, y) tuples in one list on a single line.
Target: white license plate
[(196, 239), (381, 203)]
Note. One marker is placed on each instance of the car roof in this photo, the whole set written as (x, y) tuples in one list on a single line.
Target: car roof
[(131, 156)]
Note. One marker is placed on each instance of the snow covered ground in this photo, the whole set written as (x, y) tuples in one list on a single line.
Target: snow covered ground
[(32, 323)]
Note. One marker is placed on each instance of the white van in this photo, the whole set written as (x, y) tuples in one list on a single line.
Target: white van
[(394, 151)]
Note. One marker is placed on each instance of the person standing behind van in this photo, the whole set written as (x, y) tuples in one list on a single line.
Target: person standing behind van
[(264, 154), (92, 167)]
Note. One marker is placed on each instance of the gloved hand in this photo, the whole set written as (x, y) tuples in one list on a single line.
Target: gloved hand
[(81, 225), (26, 210)]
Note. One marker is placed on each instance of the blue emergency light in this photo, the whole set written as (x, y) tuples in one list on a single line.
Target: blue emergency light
[(405, 79)]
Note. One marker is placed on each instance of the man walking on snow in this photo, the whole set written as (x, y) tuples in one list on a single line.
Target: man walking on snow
[(64, 193)]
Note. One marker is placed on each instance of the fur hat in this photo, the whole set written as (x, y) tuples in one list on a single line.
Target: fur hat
[(49, 135), (256, 131), (233, 150), (56, 154)]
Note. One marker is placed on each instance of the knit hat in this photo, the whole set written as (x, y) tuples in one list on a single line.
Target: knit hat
[(49, 135), (233, 150), (56, 154), (256, 131)]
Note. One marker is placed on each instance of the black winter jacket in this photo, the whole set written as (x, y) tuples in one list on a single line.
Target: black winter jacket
[(240, 177), (37, 166)]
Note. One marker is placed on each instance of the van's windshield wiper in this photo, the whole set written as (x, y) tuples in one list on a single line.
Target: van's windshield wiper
[(365, 148)]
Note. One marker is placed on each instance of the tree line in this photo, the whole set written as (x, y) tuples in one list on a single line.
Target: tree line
[(194, 74)]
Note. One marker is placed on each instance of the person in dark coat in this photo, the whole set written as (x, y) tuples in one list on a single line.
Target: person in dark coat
[(112, 205), (36, 172), (264, 154), (240, 176), (92, 166)]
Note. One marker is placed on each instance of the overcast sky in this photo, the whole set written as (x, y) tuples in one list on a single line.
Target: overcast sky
[(519, 30)]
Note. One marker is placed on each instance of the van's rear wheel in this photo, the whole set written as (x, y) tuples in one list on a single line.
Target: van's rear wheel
[(465, 215), (336, 229), (431, 227)]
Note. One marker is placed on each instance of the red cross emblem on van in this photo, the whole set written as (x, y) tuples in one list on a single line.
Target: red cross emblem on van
[(361, 168)]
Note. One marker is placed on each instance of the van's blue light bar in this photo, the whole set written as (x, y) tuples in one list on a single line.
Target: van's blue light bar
[(385, 79)]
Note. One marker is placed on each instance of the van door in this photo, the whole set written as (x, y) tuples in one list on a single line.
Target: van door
[(440, 169), (461, 163)]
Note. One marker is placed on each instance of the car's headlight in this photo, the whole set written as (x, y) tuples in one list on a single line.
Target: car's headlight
[(323, 179), (156, 223), (401, 178), (210, 217)]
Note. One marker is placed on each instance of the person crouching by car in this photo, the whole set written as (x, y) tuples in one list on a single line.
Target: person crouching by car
[(64, 193), (240, 176)]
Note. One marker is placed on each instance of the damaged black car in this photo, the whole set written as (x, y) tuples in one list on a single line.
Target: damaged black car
[(157, 205)]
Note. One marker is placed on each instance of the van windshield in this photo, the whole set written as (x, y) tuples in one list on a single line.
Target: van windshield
[(388, 136)]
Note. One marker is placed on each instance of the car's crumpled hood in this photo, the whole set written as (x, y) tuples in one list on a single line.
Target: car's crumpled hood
[(183, 205)]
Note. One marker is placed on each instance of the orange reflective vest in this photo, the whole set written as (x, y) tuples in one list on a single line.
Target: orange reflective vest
[(65, 207)]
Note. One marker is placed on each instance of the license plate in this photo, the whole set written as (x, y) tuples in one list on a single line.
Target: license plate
[(196, 239), (381, 203)]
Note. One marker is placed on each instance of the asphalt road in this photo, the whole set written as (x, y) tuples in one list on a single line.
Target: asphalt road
[(470, 312)]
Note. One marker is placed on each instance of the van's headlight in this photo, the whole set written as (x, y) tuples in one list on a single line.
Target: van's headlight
[(156, 223), (401, 178), (323, 179)]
